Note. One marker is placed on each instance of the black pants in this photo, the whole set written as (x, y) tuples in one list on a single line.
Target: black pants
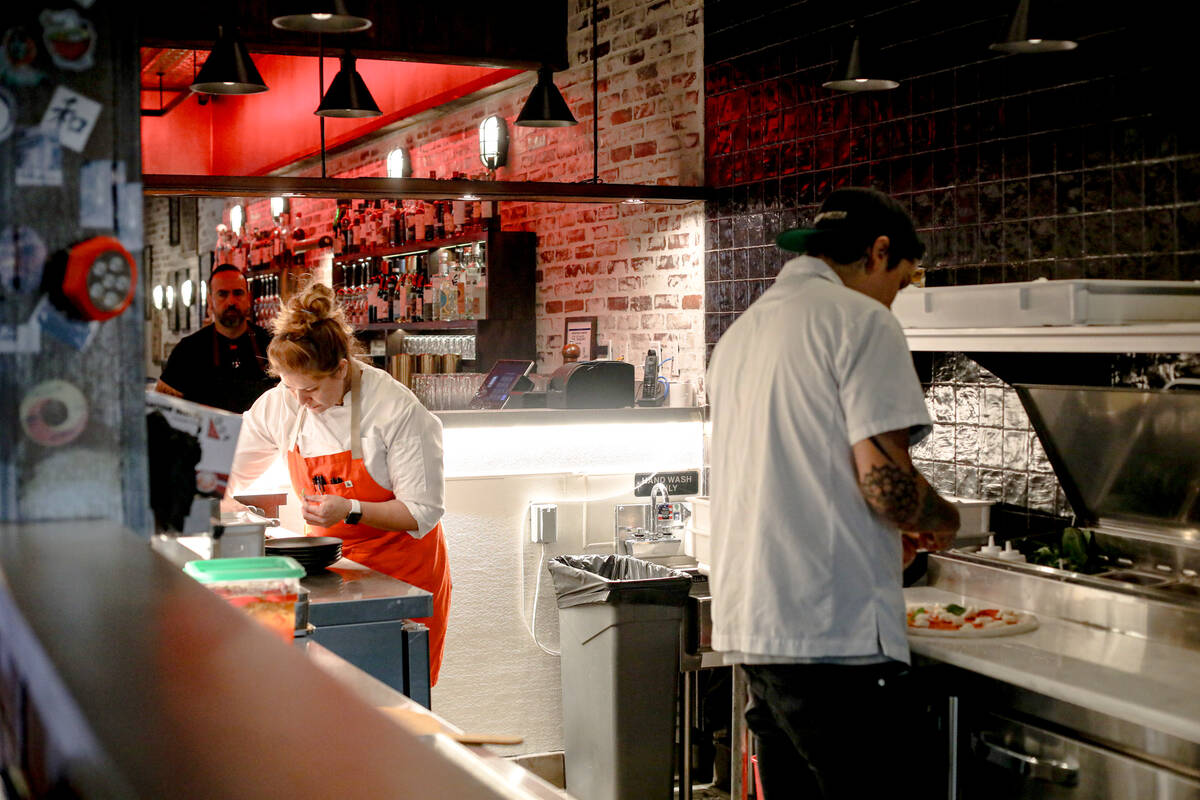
[(834, 732)]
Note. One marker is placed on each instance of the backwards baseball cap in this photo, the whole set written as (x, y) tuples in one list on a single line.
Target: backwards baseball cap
[(853, 216)]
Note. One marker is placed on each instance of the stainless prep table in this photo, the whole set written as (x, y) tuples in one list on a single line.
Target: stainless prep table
[(366, 618)]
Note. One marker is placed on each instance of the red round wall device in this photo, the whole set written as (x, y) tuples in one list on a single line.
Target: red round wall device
[(100, 278)]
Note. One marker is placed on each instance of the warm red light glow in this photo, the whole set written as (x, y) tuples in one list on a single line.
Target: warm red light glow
[(253, 135)]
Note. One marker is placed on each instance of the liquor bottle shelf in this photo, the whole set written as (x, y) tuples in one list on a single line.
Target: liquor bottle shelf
[(411, 247)]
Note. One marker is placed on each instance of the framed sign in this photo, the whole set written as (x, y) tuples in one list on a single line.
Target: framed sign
[(173, 221), (189, 225), (148, 281), (581, 331)]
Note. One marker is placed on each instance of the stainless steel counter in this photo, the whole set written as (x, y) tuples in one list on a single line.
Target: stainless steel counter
[(349, 593), (122, 677)]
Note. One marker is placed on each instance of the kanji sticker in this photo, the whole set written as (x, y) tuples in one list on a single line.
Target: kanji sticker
[(70, 117), (17, 53), (69, 38), (39, 158)]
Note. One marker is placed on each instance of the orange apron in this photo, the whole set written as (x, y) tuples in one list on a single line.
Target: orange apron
[(420, 562)]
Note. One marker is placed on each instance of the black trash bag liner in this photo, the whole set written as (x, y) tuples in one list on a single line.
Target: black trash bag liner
[(616, 580)]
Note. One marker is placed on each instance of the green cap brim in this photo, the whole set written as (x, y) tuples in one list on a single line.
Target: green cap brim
[(795, 240)]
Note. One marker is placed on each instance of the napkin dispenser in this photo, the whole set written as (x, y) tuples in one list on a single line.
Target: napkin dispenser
[(591, 384)]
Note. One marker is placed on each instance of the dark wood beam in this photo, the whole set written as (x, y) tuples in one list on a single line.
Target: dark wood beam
[(517, 35), (424, 188)]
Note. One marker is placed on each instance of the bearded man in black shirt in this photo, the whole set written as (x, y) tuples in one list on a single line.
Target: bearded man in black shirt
[(223, 364)]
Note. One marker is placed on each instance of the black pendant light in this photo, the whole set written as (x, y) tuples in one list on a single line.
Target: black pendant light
[(327, 16), (545, 107), (860, 71), (348, 95), (1033, 31), (229, 68)]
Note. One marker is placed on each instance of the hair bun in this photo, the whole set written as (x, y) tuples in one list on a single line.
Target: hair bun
[(306, 308)]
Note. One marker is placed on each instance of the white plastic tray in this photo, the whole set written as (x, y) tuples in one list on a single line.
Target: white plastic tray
[(1044, 302)]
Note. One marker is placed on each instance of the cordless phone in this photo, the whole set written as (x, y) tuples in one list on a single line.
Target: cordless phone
[(650, 377)]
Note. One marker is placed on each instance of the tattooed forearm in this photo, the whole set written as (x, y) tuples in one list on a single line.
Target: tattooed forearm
[(909, 502), (883, 452), (892, 492)]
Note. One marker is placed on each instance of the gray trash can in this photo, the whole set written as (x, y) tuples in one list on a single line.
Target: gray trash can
[(618, 622)]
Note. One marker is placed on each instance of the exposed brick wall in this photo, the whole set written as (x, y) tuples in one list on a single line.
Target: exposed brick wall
[(637, 269), (1073, 165)]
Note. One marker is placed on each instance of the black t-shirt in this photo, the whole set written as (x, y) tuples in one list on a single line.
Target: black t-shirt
[(226, 373)]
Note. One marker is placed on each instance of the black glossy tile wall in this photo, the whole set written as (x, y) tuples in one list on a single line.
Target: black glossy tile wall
[(1071, 165)]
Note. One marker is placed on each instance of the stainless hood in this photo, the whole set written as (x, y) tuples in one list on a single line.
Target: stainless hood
[(1129, 455)]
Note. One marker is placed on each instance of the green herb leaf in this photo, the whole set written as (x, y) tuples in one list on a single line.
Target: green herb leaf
[(955, 609)]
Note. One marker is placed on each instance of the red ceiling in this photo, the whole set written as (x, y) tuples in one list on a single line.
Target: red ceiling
[(255, 134)]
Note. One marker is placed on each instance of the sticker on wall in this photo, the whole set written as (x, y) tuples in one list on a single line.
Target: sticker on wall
[(97, 207), (73, 332), (70, 117), (129, 215), (39, 158), (8, 114), (54, 413), (23, 338), (22, 259), (69, 38), (18, 50)]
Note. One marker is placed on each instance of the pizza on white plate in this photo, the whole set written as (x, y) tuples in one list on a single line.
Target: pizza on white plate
[(957, 621)]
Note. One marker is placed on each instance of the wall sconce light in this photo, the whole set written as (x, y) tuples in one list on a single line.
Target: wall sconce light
[(236, 217), (278, 206), (348, 95), (1032, 32), (493, 142), (545, 107), (203, 293), (169, 298), (228, 68), (185, 293), (159, 299), (321, 17), (398, 165), (859, 72)]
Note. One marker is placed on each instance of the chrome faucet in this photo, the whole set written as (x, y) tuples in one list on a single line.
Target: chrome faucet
[(655, 507)]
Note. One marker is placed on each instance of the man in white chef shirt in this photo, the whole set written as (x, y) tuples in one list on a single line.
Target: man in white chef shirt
[(815, 403)]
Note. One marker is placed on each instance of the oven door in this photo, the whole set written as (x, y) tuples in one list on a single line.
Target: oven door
[(1009, 759)]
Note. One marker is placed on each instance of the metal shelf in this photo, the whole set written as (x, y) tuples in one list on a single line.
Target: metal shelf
[(1165, 337), (437, 325)]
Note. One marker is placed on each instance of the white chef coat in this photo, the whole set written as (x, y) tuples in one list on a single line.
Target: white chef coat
[(401, 441), (802, 569)]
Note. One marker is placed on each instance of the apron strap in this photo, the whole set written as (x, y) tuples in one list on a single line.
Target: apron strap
[(355, 417), (295, 434), (355, 413)]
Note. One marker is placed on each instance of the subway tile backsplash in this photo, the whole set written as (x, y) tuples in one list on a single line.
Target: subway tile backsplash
[(1073, 165)]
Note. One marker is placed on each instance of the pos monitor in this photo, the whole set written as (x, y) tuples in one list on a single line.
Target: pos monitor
[(498, 383)]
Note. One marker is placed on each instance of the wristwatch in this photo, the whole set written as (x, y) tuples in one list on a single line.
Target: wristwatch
[(355, 513)]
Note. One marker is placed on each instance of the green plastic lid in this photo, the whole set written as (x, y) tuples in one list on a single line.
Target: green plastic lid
[(244, 569)]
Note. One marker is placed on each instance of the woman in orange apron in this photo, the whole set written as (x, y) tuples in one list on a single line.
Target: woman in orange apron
[(312, 352)]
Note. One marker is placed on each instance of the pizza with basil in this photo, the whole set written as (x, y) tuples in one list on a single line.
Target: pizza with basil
[(957, 621)]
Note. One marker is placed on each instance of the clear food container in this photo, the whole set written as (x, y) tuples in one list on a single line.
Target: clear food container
[(266, 587)]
